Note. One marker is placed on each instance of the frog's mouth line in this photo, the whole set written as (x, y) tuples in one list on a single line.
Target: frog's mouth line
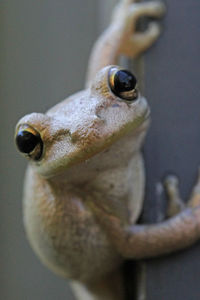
[(81, 153), (141, 119), (84, 154)]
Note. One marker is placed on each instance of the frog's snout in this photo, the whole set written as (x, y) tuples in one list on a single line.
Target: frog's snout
[(29, 142)]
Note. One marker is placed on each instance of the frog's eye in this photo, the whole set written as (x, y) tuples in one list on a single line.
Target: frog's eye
[(29, 142), (123, 84)]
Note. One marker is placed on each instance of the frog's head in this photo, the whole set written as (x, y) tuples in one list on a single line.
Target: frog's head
[(84, 124)]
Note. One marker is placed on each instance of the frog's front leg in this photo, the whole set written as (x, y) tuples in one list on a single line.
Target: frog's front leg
[(132, 42), (143, 241), (121, 37)]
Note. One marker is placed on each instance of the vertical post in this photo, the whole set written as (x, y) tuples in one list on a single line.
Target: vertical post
[(172, 72)]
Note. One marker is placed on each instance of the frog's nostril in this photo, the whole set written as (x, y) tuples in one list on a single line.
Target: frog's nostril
[(29, 142)]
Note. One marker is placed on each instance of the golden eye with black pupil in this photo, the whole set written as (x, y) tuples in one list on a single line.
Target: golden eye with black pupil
[(29, 142), (123, 84)]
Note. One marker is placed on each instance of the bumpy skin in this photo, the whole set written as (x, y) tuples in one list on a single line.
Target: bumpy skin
[(92, 144), (83, 197)]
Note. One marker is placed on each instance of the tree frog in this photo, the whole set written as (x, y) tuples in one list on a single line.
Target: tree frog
[(84, 186)]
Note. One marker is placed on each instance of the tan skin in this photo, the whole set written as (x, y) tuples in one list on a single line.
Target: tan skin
[(84, 185)]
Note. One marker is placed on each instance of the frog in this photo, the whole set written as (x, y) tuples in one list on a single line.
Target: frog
[(85, 181)]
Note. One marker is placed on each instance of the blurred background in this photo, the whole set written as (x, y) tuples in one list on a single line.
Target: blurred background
[(44, 52), (45, 47)]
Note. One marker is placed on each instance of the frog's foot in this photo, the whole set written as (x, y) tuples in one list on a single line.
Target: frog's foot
[(133, 43), (175, 203), (195, 196)]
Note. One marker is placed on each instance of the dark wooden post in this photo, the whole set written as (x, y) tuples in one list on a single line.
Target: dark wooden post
[(172, 72), (171, 80)]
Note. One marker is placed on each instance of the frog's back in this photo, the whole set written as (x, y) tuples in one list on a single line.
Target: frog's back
[(64, 233)]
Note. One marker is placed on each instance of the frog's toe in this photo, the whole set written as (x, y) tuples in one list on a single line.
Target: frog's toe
[(151, 9), (171, 182), (147, 38), (175, 203), (129, 1), (195, 196)]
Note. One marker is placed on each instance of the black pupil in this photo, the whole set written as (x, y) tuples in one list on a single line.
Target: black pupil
[(124, 81), (26, 141)]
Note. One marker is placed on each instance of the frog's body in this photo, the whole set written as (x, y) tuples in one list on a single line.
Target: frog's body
[(113, 178), (84, 186), (69, 247)]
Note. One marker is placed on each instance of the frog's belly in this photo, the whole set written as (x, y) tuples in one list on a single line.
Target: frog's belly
[(73, 246)]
